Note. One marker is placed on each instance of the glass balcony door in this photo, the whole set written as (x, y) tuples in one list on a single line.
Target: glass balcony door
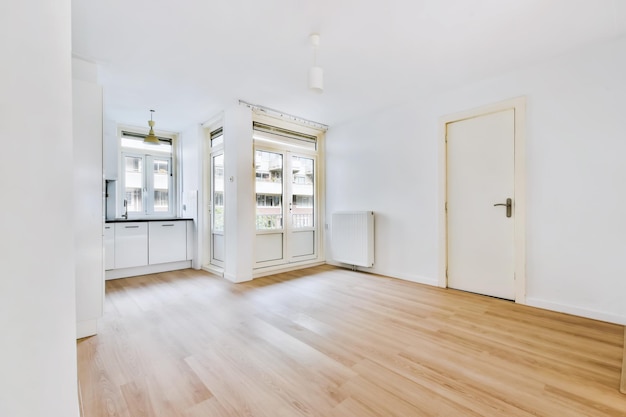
[(285, 207), (217, 209), (301, 222)]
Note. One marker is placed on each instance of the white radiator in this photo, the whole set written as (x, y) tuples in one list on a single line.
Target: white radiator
[(353, 237)]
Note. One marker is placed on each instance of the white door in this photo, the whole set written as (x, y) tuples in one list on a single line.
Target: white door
[(480, 179), (301, 223)]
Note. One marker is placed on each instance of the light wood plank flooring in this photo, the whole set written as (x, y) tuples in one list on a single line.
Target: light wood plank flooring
[(332, 342), (622, 386)]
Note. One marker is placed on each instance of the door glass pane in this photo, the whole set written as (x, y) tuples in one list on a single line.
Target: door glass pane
[(302, 192), (216, 141), (161, 185), (133, 193), (269, 190), (218, 193)]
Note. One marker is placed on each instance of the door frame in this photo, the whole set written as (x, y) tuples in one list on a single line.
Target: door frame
[(518, 104), (205, 238)]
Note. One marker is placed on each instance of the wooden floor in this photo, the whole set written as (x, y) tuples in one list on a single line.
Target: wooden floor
[(331, 342)]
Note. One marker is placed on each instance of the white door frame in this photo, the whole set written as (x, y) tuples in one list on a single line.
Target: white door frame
[(519, 198)]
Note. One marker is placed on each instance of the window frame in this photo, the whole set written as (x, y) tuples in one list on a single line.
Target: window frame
[(148, 156)]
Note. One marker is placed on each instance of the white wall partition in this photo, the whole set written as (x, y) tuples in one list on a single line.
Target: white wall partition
[(575, 178), (88, 187), (238, 193), (37, 289), (191, 154)]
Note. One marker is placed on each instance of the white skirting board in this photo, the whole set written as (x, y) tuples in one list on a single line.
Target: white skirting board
[(86, 328), (145, 269), (352, 237), (576, 311)]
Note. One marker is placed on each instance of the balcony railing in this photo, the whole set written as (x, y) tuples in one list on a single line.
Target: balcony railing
[(300, 221), (269, 221), (275, 221)]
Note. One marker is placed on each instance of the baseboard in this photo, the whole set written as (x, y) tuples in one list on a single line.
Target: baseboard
[(86, 328), (418, 279), (277, 269), (391, 274), (215, 270), (576, 311), (146, 269), (236, 279)]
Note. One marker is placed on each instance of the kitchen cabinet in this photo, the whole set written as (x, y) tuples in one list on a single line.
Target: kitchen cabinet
[(167, 241), (147, 246), (131, 244), (109, 247)]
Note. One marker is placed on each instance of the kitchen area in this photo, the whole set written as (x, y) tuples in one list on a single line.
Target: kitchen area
[(130, 214)]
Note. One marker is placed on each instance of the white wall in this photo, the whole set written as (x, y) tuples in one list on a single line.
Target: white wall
[(576, 178), (37, 299), (191, 182), (239, 217), (382, 163)]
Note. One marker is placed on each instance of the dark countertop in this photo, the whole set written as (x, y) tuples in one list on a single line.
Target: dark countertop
[(165, 219)]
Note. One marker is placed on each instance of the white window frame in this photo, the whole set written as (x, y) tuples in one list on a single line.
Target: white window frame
[(148, 156)]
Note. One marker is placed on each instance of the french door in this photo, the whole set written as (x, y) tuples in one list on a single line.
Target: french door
[(286, 206)]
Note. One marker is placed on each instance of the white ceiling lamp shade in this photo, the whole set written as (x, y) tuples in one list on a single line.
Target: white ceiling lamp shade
[(316, 74), (151, 138)]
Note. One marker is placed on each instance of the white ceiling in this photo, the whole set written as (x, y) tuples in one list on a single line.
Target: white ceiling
[(189, 59)]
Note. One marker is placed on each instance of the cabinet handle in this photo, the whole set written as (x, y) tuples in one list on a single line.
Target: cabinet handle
[(131, 227), (107, 227), (167, 225)]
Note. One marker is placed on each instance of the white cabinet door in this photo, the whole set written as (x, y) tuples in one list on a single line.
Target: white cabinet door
[(168, 241), (131, 244), (109, 247)]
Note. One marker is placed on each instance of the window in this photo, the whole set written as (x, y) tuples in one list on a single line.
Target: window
[(147, 177), (218, 192), (267, 200), (217, 138), (269, 189)]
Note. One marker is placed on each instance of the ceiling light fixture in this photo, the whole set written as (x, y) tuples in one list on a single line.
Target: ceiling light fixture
[(316, 74), (151, 138)]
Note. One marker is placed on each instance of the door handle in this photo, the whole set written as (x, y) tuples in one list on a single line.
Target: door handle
[(508, 205)]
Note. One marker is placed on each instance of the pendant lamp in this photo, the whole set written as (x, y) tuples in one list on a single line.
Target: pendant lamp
[(151, 138), (316, 74)]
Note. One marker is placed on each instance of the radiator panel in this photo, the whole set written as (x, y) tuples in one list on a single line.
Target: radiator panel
[(352, 237)]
